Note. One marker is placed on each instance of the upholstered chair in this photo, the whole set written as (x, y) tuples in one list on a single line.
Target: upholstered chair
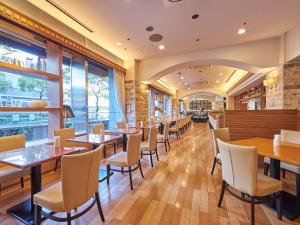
[(96, 130), (239, 172), (79, 184), (121, 125), (8, 173), (150, 147), (287, 137), (64, 134), (129, 159), (175, 129), (224, 135), (164, 138)]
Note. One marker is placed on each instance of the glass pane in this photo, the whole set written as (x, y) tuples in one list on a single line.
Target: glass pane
[(33, 124)]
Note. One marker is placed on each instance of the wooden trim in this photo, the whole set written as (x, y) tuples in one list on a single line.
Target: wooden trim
[(25, 109), (11, 68), (242, 80), (18, 18), (61, 90), (160, 89)]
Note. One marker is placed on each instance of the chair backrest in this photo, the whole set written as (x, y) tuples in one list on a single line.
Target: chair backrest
[(79, 177), (134, 148), (121, 125), (64, 134), (221, 133), (290, 136), (239, 166), (166, 130), (152, 137), (11, 142), (97, 127)]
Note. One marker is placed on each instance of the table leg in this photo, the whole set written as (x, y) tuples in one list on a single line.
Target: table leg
[(291, 204), (124, 142), (24, 211)]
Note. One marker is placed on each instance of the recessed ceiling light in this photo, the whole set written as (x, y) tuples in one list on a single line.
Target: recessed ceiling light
[(119, 43), (209, 65), (161, 47), (149, 28), (215, 86), (189, 88), (181, 78), (241, 31), (186, 84), (195, 16), (217, 81), (221, 74), (198, 39)]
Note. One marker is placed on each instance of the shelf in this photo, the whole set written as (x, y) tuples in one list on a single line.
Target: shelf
[(19, 70), (22, 109)]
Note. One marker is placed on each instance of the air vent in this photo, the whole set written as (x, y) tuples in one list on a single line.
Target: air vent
[(169, 3)]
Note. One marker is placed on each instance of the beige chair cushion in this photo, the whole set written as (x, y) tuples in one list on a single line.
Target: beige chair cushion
[(119, 159), (267, 185), (145, 146), (8, 173), (51, 198), (160, 137)]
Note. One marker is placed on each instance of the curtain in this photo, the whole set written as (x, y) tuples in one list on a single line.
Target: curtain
[(119, 80)]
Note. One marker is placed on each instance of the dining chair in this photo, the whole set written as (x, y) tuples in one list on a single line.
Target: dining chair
[(64, 134), (292, 137), (175, 129), (150, 147), (164, 138), (96, 128), (128, 159), (224, 135), (8, 173), (72, 192), (239, 172), (121, 125)]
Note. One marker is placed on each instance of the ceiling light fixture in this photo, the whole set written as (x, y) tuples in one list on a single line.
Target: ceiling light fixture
[(195, 16), (119, 43), (161, 47), (181, 78), (221, 74), (186, 84), (217, 81), (189, 88), (242, 30)]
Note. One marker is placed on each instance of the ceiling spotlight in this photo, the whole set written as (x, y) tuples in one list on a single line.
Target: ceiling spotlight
[(195, 16), (161, 47), (119, 43), (181, 78), (186, 84), (209, 65), (217, 81), (242, 30), (221, 74), (198, 39), (189, 88)]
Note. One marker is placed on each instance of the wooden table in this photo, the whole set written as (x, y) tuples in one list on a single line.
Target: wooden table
[(289, 153), (32, 158), (96, 140), (124, 133)]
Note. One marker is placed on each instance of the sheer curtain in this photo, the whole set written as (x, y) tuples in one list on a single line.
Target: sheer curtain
[(119, 79)]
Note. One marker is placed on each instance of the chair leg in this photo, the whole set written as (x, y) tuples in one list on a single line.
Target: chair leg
[(177, 135), (37, 215), (99, 207), (56, 165), (222, 193), (122, 170), (130, 177), (142, 154), (266, 168), (115, 148), (156, 153), (166, 146), (107, 173), (298, 185), (140, 167), (252, 211), (168, 143), (214, 165), (283, 173), (104, 151), (22, 182), (69, 218), (151, 159), (279, 206)]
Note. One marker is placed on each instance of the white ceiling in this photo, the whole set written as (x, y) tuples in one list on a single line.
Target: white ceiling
[(199, 76), (217, 25)]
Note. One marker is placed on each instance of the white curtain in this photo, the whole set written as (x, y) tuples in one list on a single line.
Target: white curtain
[(119, 79)]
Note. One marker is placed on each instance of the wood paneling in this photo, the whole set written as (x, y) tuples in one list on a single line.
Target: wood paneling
[(260, 123), (27, 109)]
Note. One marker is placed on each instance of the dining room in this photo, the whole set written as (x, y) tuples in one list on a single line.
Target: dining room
[(111, 115)]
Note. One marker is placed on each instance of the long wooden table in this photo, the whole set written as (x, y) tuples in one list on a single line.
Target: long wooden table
[(289, 153), (32, 158)]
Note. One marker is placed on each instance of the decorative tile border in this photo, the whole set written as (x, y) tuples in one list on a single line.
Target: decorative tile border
[(20, 19)]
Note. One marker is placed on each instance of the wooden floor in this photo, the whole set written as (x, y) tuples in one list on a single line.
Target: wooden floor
[(178, 190)]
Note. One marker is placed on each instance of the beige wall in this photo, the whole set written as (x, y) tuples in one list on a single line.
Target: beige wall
[(292, 43)]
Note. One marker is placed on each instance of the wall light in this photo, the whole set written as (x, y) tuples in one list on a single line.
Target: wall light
[(271, 82)]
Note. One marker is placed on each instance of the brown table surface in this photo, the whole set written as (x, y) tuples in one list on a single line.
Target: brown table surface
[(31, 156), (95, 138), (130, 130), (286, 152)]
